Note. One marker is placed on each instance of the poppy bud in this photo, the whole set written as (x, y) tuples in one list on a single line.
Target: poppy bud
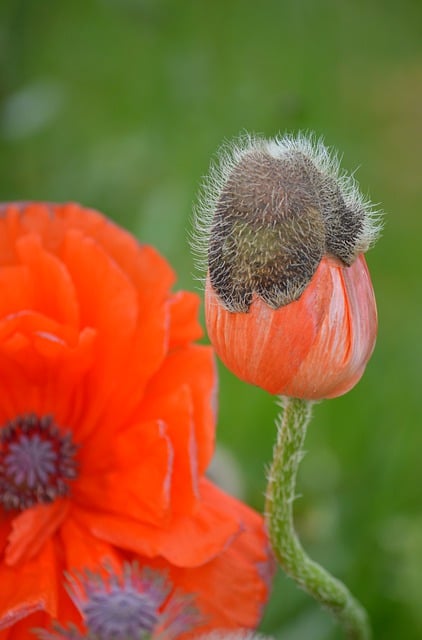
[(288, 297)]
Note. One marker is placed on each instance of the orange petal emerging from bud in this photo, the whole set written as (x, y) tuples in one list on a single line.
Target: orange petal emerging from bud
[(315, 347)]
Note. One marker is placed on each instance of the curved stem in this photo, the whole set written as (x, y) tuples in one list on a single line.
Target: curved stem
[(310, 576)]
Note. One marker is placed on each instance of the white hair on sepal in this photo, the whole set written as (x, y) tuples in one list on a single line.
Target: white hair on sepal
[(222, 164), (373, 215), (328, 162), (352, 222)]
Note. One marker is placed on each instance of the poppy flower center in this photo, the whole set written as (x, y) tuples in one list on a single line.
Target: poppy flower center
[(37, 461), (134, 605), (121, 612)]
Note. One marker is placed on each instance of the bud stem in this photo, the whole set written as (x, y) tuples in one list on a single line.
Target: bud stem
[(310, 576)]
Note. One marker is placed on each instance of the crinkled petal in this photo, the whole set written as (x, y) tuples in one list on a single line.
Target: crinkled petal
[(132, 477), (231, 590), (132, 336), (37, 378), (82, 550), (113, 311), (48, 274), (150, 273), (29, 587), (143, 357), (32, 528), (193, 366), (176, 409), (24, 629), (188, 540), (177, 412)]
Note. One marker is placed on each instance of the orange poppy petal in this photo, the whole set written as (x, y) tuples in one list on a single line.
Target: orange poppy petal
[(184, 325), (194, 539), (24, 629), (150, 273), (49, 274), (32, 323), (121, 531), (113, 311), (143, 357), (233, 588), (188, 541), (14, 223), (245, 341), (82, 550), (194, 366), (29, 587), (346, 337), (32, 528), (134, 478), (176, 410), (9, 222), (26, 374), (363, 323), (24, 218), (132, 339), (177, 413), (16, 293), (6, 518)]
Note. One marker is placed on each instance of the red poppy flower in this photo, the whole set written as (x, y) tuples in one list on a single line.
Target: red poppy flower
[(107, 425)]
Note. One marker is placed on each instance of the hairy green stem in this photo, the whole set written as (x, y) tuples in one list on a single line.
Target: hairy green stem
[(310, 576)]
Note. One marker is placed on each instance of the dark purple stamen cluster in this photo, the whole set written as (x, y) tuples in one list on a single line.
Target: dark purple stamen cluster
[(37, 461), (120, 613)]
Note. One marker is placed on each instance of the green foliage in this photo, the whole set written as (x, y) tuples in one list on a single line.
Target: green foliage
[(119, 104)]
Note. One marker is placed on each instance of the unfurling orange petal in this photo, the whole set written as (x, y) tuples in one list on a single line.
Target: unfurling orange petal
[(315, 347)]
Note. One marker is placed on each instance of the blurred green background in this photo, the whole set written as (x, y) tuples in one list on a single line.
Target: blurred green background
[(120, 104)]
